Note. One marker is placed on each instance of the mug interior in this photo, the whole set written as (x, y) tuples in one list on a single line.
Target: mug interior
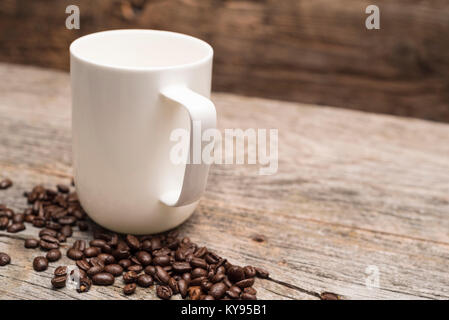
[(140, 49)]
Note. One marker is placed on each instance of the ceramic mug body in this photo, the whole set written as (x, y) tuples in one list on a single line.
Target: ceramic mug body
[(121, 125)]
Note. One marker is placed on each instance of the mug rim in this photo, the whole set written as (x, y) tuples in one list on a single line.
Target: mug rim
[(77, 55)]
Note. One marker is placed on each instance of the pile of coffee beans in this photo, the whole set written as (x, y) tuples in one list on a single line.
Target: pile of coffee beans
[(175, 265)]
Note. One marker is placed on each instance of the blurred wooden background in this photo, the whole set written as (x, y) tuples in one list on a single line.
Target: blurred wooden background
[(315, 51)]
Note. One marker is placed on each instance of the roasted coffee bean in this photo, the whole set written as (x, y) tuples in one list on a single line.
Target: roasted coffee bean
[(4, 221), (49, 239), (227, 282), (67, 231), (195, 292), (218, 290), (67, 221), (120, 253), (29, 218), (7, 212), (218, 277), (236, 273), (146, 245), (31, 243), (200, 252), (234, 292), (114, 269), (5, 184), (134, 260), (16, 227), (162, 275), (130, 288), (83, 264), (180, 255), (125, 263), (44, 245), (18, 218), (53, 255), (199, 263), (4, 259), (250, 290), (206, 285), (95, 261), (40, 263), (329, 296), (262, 273), (63, 188), (62, 238), (92, 252), (59, 282), (80, 245), (156, 244), (143, 257), (80, 215), (173, 284), (198, 272), (60, 271), (132, 242), (83, 225), (103, 279), (85, 284), (145, 280), (211, 258), (250, 271), (161, 261), (94, 270), (151, 270), (137, 268), (173, 244), (99, 243), (164, 292), (39, 222), (130, 276), (245, 283), (197, 281), (53, 225), (106, 248), (181, 267), (106, 258), (182, 287), (74, 254), (48, 232)]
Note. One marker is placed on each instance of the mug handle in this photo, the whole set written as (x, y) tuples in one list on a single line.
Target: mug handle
[(202, 110)]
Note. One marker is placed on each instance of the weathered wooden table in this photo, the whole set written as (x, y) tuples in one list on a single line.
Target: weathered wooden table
[(357, 198)]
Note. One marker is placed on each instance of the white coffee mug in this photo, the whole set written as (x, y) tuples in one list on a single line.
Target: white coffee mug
[(130, 90)]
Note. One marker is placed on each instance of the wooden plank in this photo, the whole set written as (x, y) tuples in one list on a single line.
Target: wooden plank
[(315, 51), (353, 190)]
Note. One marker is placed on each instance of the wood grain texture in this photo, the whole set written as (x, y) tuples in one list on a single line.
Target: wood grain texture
[(315, 51), (353, 190)]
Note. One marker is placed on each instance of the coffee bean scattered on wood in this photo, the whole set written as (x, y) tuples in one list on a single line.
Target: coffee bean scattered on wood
[(5, 184), (4, 259), (176, 265)]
